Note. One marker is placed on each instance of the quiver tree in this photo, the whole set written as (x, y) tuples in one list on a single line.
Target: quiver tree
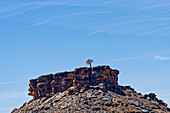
[(89, 61)]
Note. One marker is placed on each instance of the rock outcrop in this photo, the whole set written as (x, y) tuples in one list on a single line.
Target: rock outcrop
[(75, 92), (48, 85)]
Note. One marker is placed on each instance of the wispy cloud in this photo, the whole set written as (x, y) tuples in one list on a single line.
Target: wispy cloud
[(162, 57), (115, 17), (156, 30), (139, 57), (14, 98), (8, 83), (69, 18), (13, 95), (160, 5), (5, 109), (131, 58)]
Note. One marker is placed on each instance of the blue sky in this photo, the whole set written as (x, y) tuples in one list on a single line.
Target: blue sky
[(48, 36)]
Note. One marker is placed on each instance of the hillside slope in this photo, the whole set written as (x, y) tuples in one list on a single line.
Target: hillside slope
[(101, 94), (95, 100)]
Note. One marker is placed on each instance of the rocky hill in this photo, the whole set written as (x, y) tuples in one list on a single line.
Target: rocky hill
[(87, 90)]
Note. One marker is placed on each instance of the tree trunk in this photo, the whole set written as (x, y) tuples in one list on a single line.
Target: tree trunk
[(90, 65), (74, 78), (90, 72)]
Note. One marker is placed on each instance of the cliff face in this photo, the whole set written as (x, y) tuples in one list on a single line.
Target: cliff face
[(48, 85)]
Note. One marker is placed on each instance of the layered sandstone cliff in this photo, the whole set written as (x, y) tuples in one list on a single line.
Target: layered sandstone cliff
[(48, 85)]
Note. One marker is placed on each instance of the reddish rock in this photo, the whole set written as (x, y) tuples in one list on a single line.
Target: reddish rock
[(48, 85)]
